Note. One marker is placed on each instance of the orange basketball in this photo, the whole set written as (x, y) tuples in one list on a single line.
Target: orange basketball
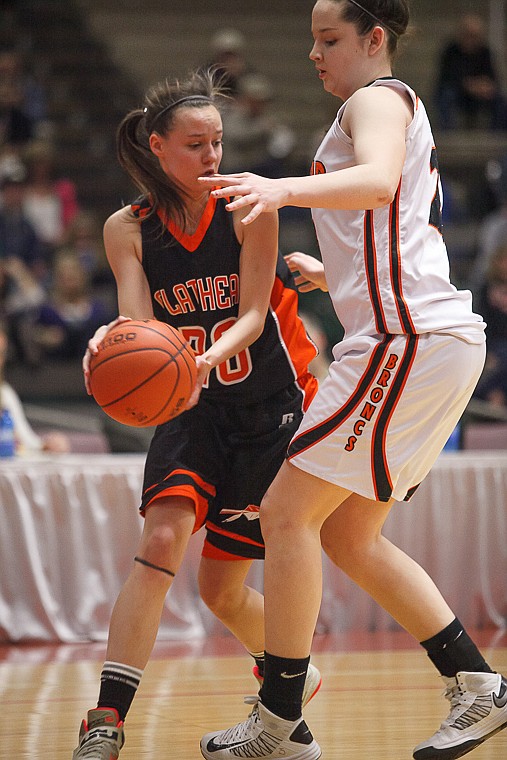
[(143, 373)]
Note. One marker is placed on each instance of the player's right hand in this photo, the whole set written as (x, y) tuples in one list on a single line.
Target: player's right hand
[(93, 347), (203, 370)]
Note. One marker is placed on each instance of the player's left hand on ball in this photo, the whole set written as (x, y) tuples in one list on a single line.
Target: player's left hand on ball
[(203, 370), (93, 347)]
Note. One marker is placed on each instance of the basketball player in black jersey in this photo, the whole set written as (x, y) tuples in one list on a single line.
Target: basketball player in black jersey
[(179, 256)]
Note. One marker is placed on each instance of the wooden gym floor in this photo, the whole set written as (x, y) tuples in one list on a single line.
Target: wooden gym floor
[(380, 697)]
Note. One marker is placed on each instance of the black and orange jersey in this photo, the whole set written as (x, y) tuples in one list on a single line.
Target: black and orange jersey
[(194, 285)]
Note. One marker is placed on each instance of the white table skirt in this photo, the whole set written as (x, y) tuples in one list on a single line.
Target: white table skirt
[(70, 530)]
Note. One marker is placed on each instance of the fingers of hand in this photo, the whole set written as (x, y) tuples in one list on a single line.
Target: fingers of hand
[(194, 398), (93, 343), (254, 213), (118, 321), (86, 373), (236, 192), (238, 203), (307, 287), (294, 257)]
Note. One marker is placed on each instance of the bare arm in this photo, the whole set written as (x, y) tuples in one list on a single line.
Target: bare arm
[(376, 119), (259, 250), (257, 271), (122, 240)]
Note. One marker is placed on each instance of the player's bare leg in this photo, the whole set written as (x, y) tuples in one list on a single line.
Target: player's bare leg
[(292, 514), (136, 615), (297, 508), (134, 625), (240, 608), (353, 540)]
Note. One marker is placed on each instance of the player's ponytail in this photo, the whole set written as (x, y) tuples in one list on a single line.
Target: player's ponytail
[(142, 166)]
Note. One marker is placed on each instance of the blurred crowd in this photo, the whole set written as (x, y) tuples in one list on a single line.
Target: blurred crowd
[(469, 92), (51, 260), (51, 256)]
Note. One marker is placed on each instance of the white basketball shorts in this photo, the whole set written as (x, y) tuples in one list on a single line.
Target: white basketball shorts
[(386, 410)]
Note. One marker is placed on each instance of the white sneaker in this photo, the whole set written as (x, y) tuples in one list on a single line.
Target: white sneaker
[(101, 736), (478, 711), (313, 682), (262, 735)]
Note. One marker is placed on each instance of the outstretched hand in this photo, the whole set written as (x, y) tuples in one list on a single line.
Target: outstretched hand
[(261, 193), (93, 347)]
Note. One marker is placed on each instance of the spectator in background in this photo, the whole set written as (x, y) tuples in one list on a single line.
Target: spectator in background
[(20, 297), (16, 127), (18, 238), (492, 303), (492, 233), (70, 313), (228, 58), (26, 438), (468, 89), (84, 236), (50, 203), (255, 140), (32, 101)]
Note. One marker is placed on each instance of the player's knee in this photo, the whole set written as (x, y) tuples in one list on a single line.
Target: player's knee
[(220, 599), (279, 524), (161, 545), (348, 552), (270, 523)]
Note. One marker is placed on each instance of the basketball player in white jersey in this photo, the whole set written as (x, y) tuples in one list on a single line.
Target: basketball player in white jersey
[(412, 353)]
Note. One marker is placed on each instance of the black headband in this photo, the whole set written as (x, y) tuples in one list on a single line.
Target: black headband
[(375, 18), (186, 99)]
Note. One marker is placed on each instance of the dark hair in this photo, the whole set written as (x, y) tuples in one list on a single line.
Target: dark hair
[(392, 15), (161, 102)]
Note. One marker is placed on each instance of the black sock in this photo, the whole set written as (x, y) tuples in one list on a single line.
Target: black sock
[(452, 650), (284, 681), (259, 661), (118, 686)]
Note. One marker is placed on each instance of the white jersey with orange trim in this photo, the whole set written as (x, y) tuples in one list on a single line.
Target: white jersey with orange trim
[(384, 412), (413, 349), (387, 272)]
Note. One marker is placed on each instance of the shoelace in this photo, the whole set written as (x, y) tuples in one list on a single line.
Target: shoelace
[(242, 731), (89, 748), (453, 695)]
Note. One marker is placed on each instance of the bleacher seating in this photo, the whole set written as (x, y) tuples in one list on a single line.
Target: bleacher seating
[(87, 95), (172, 39)]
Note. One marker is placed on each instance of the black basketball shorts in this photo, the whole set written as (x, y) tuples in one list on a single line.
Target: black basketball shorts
[(223, 457)]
